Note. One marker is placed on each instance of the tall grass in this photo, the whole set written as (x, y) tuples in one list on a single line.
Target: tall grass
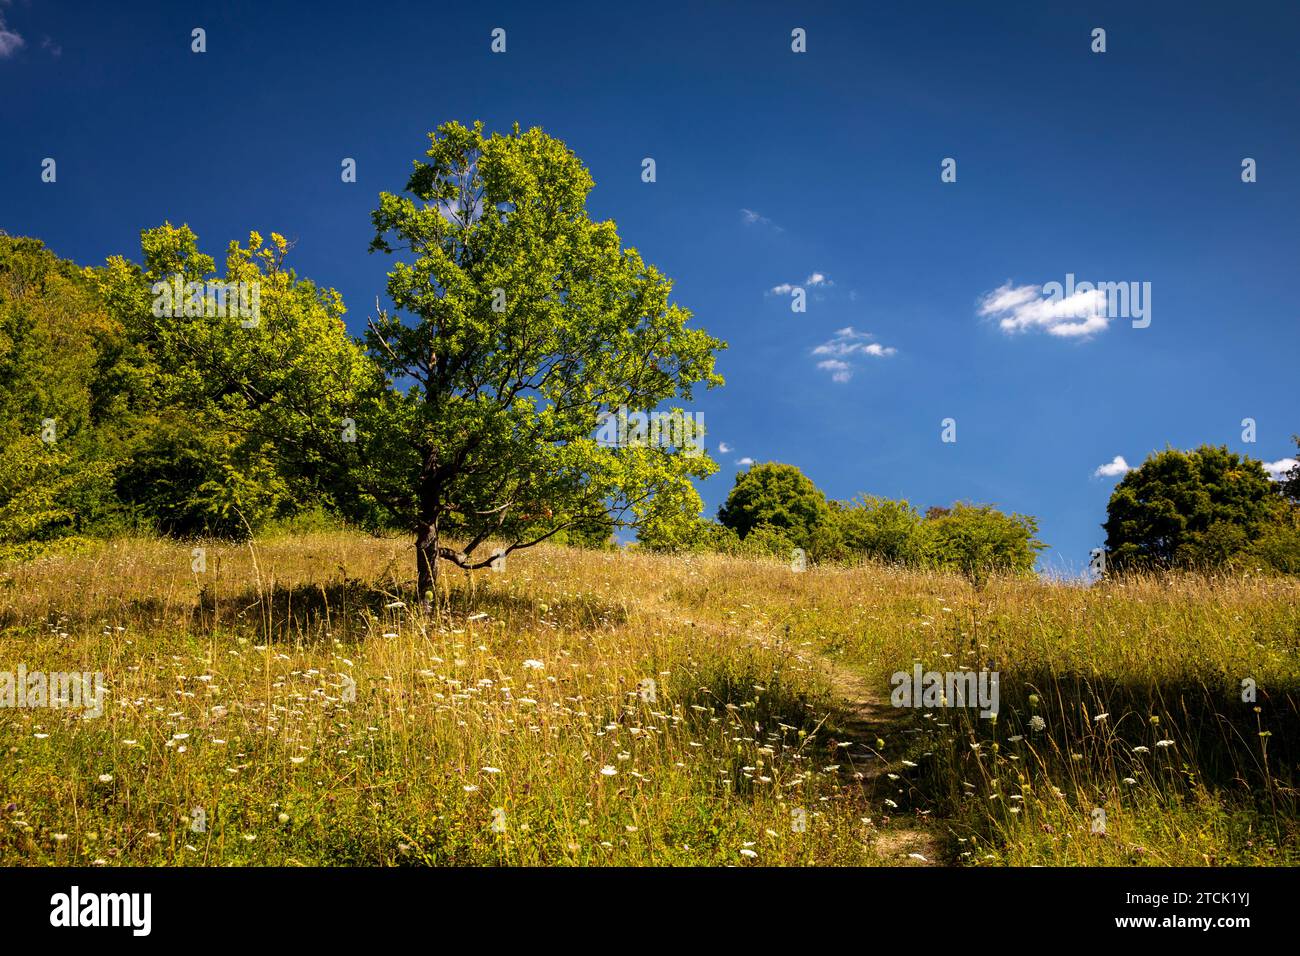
[(290, 696), (284, 706), (1122, 737)]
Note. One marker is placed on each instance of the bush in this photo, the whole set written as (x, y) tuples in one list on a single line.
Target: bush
[(979, 540), (879, 529)]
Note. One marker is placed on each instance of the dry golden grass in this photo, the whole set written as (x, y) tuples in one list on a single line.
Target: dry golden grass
[(288, 694)]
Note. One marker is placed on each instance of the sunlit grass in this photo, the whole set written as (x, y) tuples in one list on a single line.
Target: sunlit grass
[(289, 695), (285, 706)]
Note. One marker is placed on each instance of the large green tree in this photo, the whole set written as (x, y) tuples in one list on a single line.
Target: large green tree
[(1200, 508), (779, 496), (250, 381), (517, 322)]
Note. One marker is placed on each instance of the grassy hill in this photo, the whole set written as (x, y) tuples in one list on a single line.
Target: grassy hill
[(284, 705)]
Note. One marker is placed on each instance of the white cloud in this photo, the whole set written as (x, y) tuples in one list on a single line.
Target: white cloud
[(814, 280), (745, 462), (1278, 469), (751, 218), (847, 343), (724, 448), (1113, 469), (840, 371), (10, 42), (1024, 308)]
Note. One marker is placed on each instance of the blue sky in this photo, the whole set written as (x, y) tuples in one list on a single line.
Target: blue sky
[(772, 168)]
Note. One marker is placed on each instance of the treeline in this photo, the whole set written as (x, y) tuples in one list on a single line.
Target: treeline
[(118, 416), (116, 420), (774, 510), (1205, 510), (126, 411)]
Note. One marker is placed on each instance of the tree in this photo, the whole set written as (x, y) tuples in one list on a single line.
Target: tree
[(250, 381), (1291, 481), (1200, 508), (979, 540), (519, 321), (62, 372), (779, 496), (880, 529)]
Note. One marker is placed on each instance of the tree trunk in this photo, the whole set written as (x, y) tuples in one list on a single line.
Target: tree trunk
[(426, 566)]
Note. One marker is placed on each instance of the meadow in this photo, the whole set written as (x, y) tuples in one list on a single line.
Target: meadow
[(284, 702)]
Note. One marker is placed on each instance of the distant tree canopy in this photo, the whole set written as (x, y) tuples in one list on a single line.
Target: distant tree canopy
[(117, 414), (1291, 480), (1202, 509), (775, 508), (243, 411), (979, 540)]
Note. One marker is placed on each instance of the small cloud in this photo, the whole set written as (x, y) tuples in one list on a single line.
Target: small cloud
[(1277, 469), (745, 462), (54, 49), (847, 343), (814, 280), (10, 42), (751, 218), (724, 448), (840, 371), (1022, 308), (1113, 469)]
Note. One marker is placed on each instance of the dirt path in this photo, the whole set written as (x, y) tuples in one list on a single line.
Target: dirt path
[(859, 718)]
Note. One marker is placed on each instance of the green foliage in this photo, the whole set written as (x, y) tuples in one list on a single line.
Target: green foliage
[(65, 370), (979, 540), (687, 533), (767, 541), (880, 529), (519, 322), (1291, 481), (1197, 509), (1277, 547), (595, 532), (247, 396), (779, 496), (775, 508), (32, 482)]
